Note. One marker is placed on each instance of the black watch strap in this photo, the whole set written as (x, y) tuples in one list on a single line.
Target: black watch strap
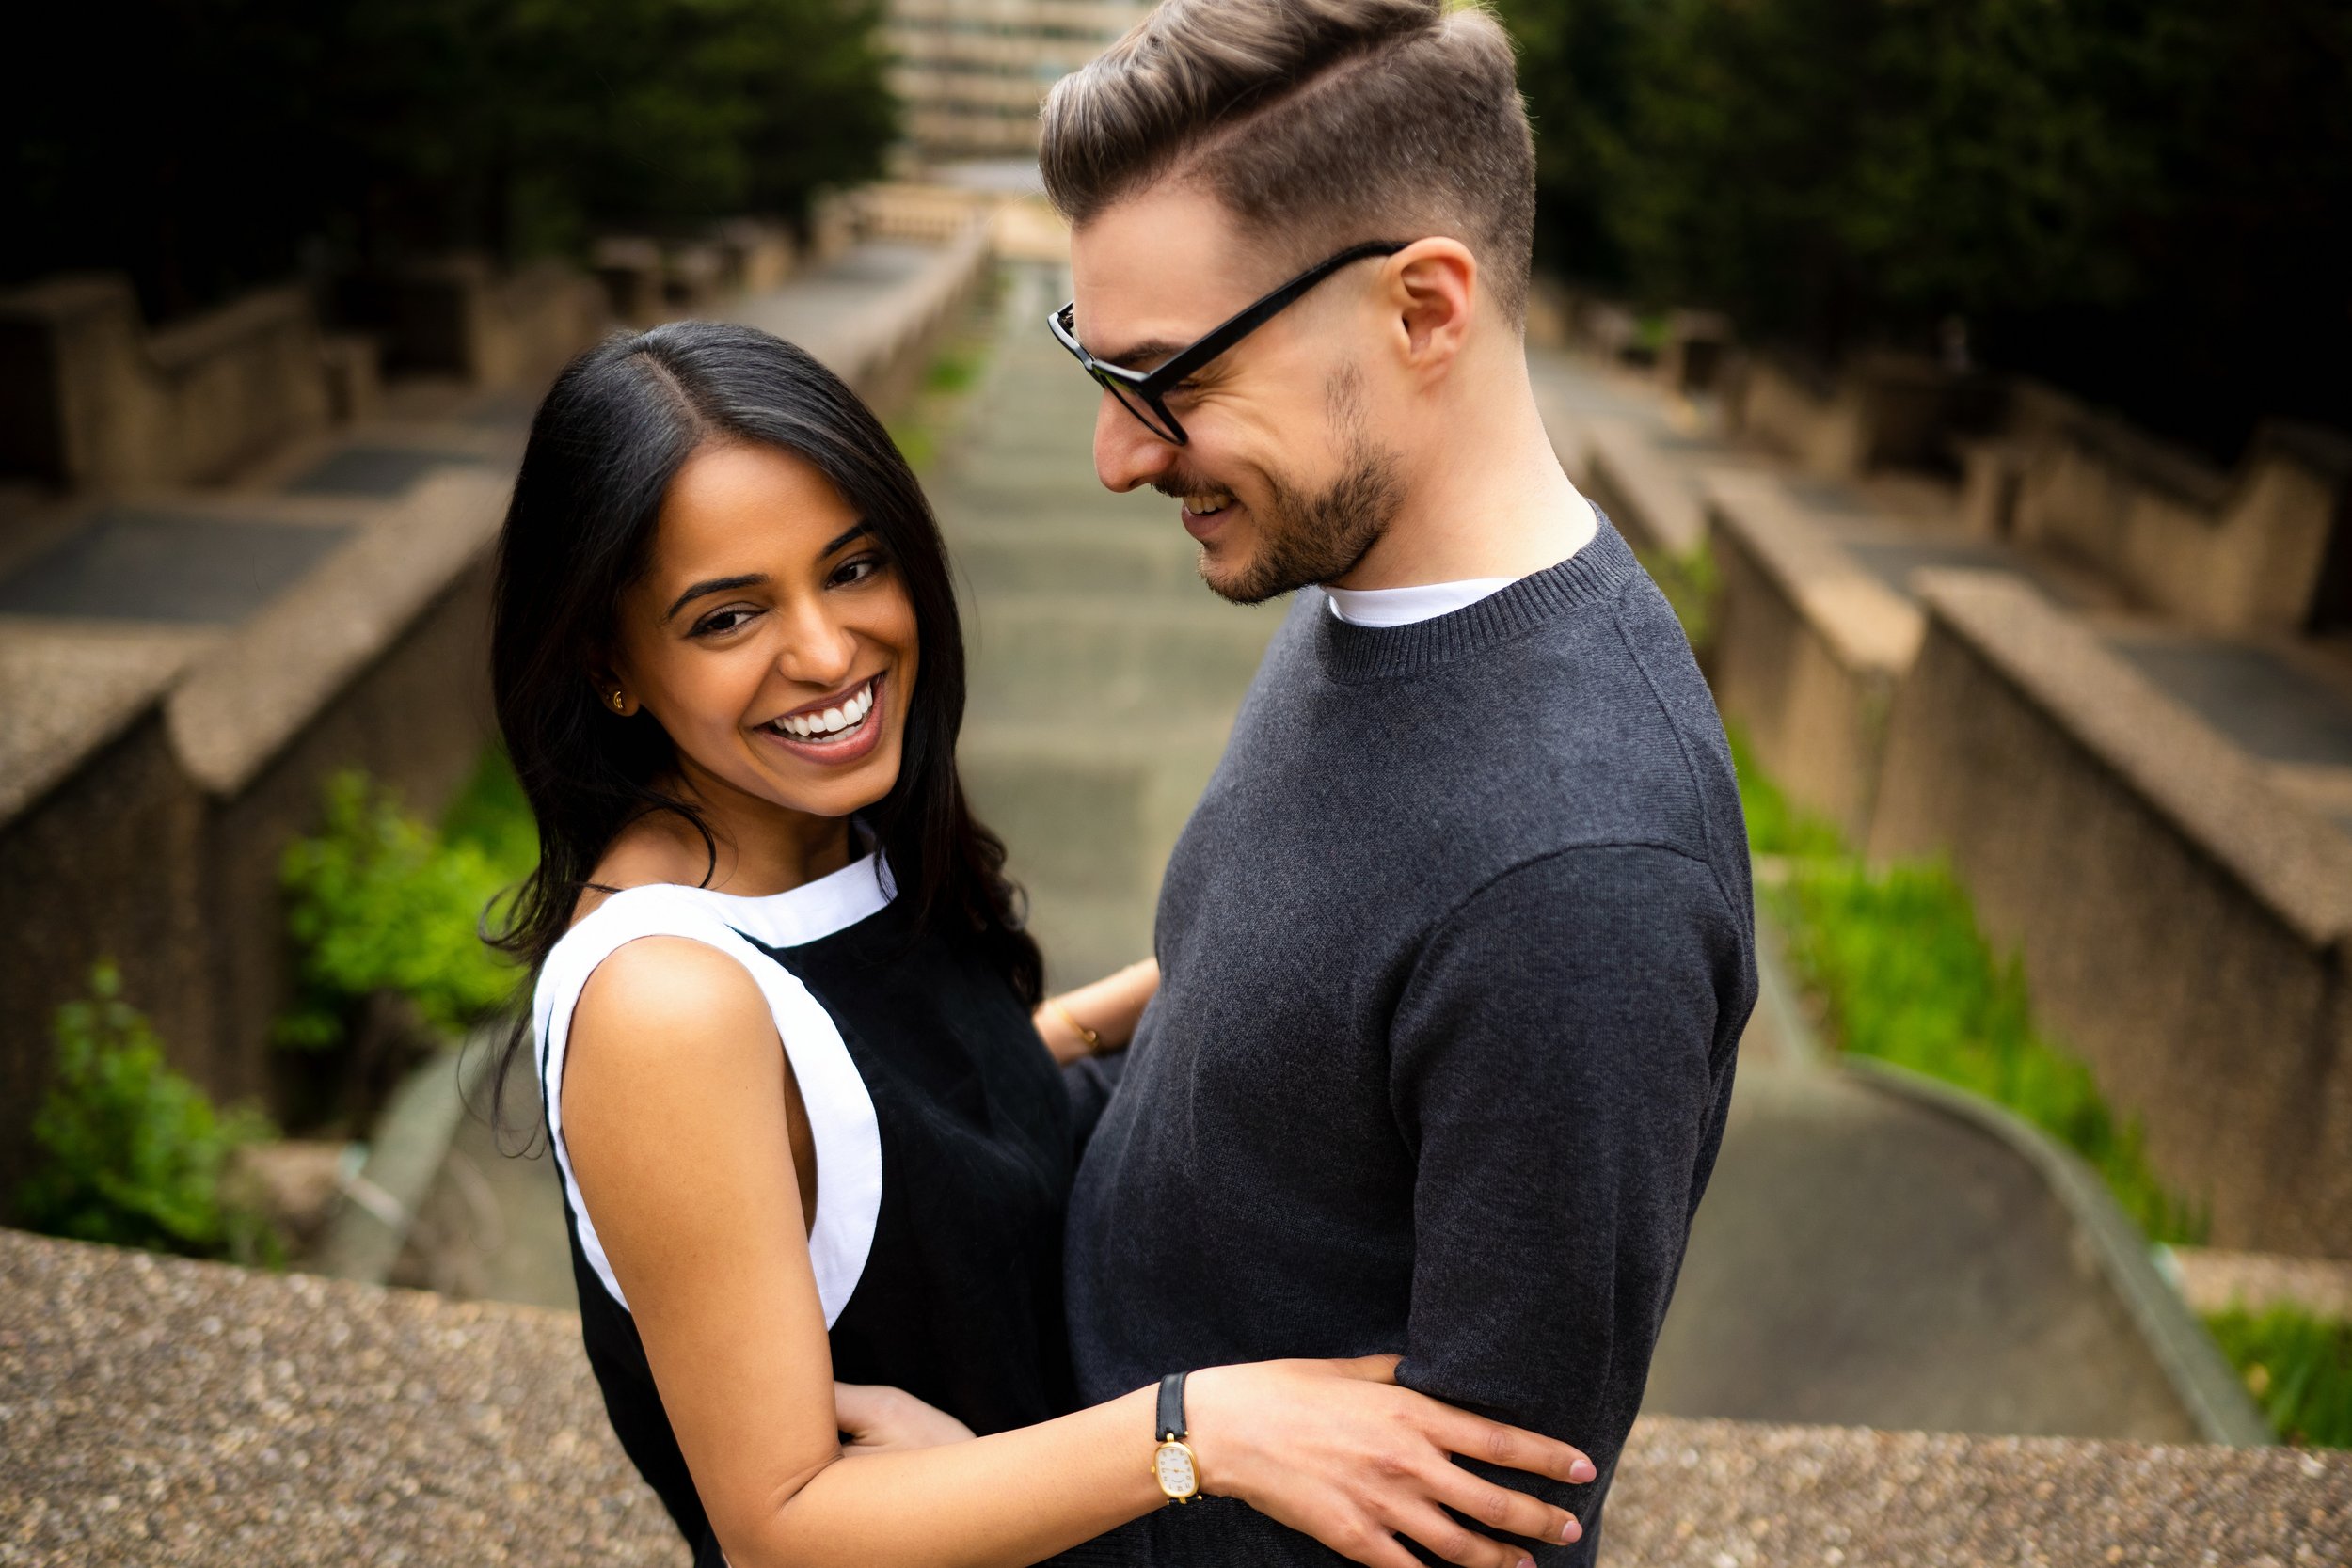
[(1172, 1419)]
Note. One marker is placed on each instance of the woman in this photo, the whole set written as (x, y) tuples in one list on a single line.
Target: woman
[(805, 1127)]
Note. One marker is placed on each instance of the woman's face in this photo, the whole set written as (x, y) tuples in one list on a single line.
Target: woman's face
[(771, 636)]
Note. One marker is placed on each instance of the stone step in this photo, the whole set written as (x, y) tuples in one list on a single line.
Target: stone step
[(1088, 559), (1091, 811), (1090, 663)]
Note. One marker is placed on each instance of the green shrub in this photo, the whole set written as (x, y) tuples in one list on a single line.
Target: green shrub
[(1688, 582), (131, 1153), (1901, 973), (2298, 1368), (380, 901)]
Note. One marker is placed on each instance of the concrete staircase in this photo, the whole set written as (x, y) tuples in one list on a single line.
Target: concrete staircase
[(1103, 675)]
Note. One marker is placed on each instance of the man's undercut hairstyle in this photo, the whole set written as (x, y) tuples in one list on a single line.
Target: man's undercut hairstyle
[(1318, 123)]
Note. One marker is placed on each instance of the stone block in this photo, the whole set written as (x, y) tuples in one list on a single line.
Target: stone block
[(458, 315), (693, 278), (2181, 923), (630, 271), (1648, 497), (755, 256), (1808, 648), (90, 398), (2240, 551)]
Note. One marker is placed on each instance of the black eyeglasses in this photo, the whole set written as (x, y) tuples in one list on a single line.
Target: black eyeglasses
[(1144, 393)]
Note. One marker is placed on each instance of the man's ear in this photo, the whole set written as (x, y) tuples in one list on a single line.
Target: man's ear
[(1433, 285)]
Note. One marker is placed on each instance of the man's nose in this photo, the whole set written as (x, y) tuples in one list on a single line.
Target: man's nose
[(1125, 453)]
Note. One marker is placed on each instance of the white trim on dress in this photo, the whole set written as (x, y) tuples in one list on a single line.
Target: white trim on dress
[(841, 1113)]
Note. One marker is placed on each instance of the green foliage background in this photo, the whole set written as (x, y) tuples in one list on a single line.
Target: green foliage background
[(131, 1153), (381, 901), (2144, 200), (212, 144)]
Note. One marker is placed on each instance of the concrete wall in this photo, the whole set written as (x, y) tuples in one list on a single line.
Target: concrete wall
[(159, 848), (2238, 552), (2183, 926), (90, 398), (1882, 410), (1806, 650), (461, 316)]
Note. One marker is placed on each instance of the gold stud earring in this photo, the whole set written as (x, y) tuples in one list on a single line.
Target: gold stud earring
[(619, 703)]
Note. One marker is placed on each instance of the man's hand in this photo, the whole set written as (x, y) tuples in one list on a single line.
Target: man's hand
[(878, 1419)]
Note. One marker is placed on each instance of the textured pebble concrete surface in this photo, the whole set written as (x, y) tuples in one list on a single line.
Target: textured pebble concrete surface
[(158, 1411)]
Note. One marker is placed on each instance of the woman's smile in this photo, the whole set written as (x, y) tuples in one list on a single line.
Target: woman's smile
[(837, 729)]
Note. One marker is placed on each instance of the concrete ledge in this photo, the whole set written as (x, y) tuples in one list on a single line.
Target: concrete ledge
[(90, 397), (161, 1410), (1643, 493), (96, 680), (240, 706), (2183, 924), (1808, 648), (2239, 551)]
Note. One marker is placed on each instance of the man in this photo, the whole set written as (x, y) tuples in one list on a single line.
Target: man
[(1457, 946)]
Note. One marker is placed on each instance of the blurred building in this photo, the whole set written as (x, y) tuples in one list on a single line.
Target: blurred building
[(972, 73)]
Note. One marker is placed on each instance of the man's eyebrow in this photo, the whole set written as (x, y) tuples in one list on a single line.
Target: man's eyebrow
[(713, 585), (1144, 355)]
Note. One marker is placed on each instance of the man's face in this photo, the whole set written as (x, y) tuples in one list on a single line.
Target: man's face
[(1285, 479)]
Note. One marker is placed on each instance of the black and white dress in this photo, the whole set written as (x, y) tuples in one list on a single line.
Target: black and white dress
[(944, 1143)]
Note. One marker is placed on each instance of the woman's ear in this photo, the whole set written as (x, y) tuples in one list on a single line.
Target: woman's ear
[(612, 691)]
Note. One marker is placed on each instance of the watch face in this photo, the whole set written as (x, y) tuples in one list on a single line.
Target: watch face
[(1173, 1467)]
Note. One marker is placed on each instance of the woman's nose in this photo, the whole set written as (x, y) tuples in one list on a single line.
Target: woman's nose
[(817, 650)]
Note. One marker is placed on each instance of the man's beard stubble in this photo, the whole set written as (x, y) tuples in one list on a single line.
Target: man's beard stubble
[(1318, 538)]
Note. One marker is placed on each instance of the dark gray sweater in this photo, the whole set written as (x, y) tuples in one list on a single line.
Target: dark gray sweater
[(1456, 951)]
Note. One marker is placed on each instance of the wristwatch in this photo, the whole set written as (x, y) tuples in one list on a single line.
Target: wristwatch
[(1172, 1462)]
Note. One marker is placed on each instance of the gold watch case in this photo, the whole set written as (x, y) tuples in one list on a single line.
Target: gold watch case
[(1177, 1470)]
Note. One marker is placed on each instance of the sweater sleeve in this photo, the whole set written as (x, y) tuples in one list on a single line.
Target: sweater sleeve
[(1561, 1064)]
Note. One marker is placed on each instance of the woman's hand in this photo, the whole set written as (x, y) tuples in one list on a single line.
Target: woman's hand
[(1337, 1451), (1108, 1011), (878, 1419)]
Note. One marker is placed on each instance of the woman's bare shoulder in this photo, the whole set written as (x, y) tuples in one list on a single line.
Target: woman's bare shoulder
[(651, 851)]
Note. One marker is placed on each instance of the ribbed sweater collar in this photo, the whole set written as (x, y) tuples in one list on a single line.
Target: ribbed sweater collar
[(1351, 653)]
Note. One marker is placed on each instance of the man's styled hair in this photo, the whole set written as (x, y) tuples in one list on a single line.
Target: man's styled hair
[(1318, 123)]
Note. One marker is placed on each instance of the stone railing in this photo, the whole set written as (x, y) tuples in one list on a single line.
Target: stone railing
[(166, 1411), (2185, 926), (463, 316), (90, 398), (1882, 410), (2238, 552), (1807, 649)]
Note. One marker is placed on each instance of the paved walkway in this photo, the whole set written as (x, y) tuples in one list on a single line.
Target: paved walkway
[(1103, 675)]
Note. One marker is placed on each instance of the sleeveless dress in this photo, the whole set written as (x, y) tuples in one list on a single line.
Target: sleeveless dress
[(944, 1152)]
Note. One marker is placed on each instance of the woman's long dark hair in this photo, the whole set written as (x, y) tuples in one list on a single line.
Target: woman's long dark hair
[(617, 426)]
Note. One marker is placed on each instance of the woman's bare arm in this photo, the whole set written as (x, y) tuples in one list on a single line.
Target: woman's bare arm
[(675, 1122), (1110, 1007)]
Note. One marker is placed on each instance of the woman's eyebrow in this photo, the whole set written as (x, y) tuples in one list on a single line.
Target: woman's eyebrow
[(713, 585), (750, 579)]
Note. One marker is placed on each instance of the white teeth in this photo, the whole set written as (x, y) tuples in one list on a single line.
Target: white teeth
[(832, 721)]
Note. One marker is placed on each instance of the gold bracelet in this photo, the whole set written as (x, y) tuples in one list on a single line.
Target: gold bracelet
[(1093, 1040)]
